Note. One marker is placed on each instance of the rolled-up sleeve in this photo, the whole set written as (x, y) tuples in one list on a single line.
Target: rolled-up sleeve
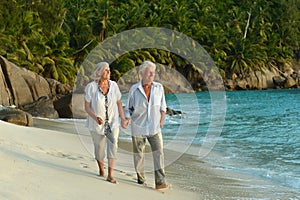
[(88, 93)]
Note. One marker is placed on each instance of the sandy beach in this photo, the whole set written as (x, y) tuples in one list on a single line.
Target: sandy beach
[(49, 161), (45, 164)]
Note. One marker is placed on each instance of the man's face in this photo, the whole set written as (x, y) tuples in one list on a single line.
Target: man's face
[(148, 75)]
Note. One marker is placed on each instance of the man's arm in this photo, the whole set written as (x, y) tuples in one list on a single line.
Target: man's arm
[(163, 108), (162, 118)]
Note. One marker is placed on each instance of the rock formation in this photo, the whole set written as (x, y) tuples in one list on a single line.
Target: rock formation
[(26, 91), (48, 98), (16, 116)]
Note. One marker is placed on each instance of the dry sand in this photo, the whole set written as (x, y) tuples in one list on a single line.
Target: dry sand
[(46, 164)]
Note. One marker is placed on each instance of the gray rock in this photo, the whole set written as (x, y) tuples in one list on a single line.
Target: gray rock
[(71, 106), (16, 116), (290, 82), (43, 107), (172, 112), (28, 91), (20, 86), (279, 81)]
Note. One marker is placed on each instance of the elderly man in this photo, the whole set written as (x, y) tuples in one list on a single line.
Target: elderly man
[(146, 107)]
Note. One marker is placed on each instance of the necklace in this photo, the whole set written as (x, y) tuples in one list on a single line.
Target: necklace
[(104, 88), (107, 130)]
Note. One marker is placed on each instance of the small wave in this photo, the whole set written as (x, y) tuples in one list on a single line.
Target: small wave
[(5, 107)]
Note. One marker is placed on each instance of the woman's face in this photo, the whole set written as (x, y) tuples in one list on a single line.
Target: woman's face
[(105, 73)]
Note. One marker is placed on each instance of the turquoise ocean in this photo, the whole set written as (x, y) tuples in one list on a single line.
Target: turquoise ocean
[(259, 137), (248, 134)]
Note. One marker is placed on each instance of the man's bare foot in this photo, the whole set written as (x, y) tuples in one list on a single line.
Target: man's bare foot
[(158, 187)]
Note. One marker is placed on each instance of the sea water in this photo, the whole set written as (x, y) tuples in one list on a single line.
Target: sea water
[(260, 133), (256, 133)]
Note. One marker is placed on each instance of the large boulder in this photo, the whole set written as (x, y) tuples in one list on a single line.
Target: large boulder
[(16, 116), (265, 79), (43, 107), (279, 81), (5, 96), (71, 106), (58, 89), (28, 91), (19, 86), (257, 80), (290, 83)]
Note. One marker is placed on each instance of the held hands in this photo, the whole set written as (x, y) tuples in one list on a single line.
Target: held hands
[(125, 123)]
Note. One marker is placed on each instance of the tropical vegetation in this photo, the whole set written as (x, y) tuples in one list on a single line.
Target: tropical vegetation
[(53, 38)]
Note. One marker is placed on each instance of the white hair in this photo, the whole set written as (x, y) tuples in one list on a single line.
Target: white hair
[(100, 67), (145, 65)]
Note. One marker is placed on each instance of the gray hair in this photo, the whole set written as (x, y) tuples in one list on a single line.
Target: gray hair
[(146, 64), (98, 67)]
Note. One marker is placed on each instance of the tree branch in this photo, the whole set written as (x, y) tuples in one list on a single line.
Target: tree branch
[(247, 25)]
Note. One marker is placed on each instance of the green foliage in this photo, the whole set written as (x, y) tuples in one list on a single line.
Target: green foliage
[(32, 37), (53, 38)]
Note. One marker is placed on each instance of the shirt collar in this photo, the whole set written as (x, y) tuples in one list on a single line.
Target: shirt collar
[(141, 86)]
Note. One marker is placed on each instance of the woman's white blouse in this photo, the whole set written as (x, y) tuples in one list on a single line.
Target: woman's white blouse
[(97, 101)]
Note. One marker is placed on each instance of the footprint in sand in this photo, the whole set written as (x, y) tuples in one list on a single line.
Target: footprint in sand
[(83, 165)]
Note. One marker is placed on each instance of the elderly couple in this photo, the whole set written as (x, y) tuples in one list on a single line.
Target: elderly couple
[(145, 111)]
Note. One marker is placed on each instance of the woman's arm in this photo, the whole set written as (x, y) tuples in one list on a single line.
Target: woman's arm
[(124, 121), (90, 112)]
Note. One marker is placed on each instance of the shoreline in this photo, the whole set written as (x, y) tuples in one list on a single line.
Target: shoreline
[(192, 174), (47, 161), (236, 183)]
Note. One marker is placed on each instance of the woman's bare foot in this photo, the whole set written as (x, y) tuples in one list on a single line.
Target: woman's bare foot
[(101, 173), (112, 180)]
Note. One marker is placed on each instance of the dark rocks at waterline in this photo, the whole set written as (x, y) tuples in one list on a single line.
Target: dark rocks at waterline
[(43, 107), (16, 116), (265, 79), (28, 91), (286, 82), (279, 81), (71, 106), (172, 112)]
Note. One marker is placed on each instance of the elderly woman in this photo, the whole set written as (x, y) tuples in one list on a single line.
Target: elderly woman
[(104, 107)]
